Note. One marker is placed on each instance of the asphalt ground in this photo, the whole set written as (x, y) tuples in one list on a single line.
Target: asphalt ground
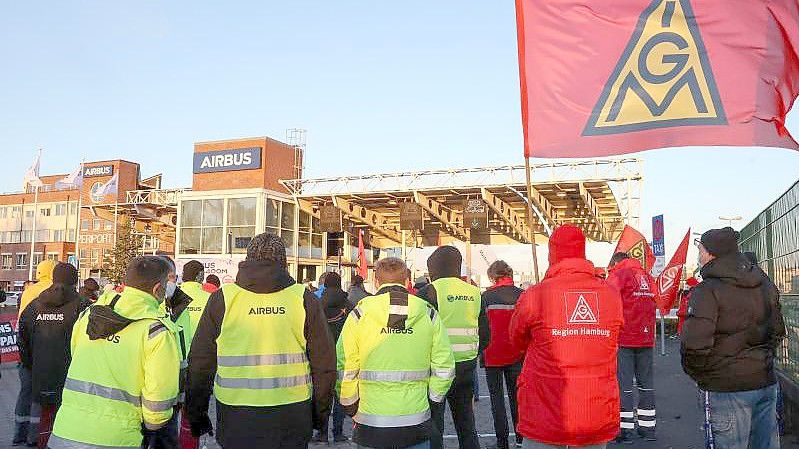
[(679, 414)]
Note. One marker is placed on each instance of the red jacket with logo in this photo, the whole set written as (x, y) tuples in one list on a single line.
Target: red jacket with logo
[(500, 301), (569, 324), (637, 290)]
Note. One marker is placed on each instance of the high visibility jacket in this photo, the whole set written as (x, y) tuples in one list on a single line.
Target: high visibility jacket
[(459, 305), (261, 348), (393, 354), (116, 384), (44, 279), (199, 299)]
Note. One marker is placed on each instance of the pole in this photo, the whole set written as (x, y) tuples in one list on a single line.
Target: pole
[(77, 222), (662, 335), (404, 248), (530, 221), (33, 233)]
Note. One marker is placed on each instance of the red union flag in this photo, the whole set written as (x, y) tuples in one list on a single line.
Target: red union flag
[(603, 77), (668, 282), (635, 245)]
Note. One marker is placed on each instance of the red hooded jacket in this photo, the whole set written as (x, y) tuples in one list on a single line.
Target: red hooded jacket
[(500, 301), (569, 324), (637, 289)]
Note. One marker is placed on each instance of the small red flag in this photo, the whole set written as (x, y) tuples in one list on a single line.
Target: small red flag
[(635, 245), (363, 267), (668, 283)]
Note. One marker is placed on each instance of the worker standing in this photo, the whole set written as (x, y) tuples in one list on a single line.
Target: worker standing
[(264, 345), (394, 360), (123, 378), (460, 307)]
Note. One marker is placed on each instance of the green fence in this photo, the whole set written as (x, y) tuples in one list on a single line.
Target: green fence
[(774, 237)]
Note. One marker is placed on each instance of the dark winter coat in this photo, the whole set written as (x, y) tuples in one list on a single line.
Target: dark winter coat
[(733, 328), (337, 307), (500, 301), (45, 332), (247, 427), (357, 293)]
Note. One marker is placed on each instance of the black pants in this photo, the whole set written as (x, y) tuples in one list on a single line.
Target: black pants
[(279, 427), (460, 399), (494, 377), (637, 363), (165, 437)]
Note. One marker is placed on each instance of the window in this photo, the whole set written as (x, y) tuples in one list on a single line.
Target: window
[(85, 225), (310, 242), (84, 254), (109, 225), (6, 261), (29, 213), (52, 256), (43, 235), (16, 211), (241, 223), (95, 257), (280, 221), (60, 209), (37, 259), (22, 260), (71, 235), (4, 212), (96, 225), (201, 226), (25, 236), (45, 211), (73, 208), (59, 235)]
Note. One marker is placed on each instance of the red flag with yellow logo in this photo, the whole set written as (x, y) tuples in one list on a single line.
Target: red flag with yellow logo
[(603, 77), (635, 245), (668, 283)]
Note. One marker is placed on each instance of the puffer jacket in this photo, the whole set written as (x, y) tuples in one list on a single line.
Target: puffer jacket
[(637, 289)]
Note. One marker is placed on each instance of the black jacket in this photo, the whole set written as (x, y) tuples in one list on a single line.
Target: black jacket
[(337, 306), (247, 427), (733, 327), (45, 331)]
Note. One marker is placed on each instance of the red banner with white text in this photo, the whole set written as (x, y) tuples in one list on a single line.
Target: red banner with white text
[(9, 351), (668, 283)]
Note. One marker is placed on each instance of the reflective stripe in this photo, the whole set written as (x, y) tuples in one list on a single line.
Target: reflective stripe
[(35, 420), (391, 421), (646, 423), (462, 332), (464, 347), (152, 426), (444, 373), (57, 442), (159, 406), (433, 315), (501, 307), (627, 415), (397, 310), (349, 400), (263, 384), (646, 412), (156, 329), (21, 418), (348, 374), (94, 389), (628, 425), (645, 389), (394, 376), (259, 360), (435, 397)]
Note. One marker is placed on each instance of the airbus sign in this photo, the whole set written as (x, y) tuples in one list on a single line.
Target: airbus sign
[(227, 160), (98, 170)]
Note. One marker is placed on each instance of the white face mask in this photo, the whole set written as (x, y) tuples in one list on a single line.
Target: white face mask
[(170, 289)]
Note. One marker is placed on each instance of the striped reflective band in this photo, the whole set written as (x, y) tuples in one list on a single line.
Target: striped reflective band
[(435, 397), (464, 347), (350, 374), (349, 400), (646, 412), (35, 420), (21, 418), (501, 307), (260, 360), (391, 421), (57, 442), (444, 373), (155, 329), (628, 425), (94, 389), (642, 423), (263, 384), (397, 310), (394, 376), (159, 406), (462, 331)]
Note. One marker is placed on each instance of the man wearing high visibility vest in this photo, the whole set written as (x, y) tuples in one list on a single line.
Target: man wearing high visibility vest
[(460, 307), (264, 345), (123, 378), (394, 359)]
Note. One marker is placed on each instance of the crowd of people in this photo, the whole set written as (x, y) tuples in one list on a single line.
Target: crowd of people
[(138, 365)]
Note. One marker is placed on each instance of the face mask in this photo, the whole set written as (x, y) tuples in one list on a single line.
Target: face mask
[(170, 289)]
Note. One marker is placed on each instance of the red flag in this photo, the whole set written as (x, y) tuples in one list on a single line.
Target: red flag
[(635, 245), (668, 283), (363, 267), (605, 77)]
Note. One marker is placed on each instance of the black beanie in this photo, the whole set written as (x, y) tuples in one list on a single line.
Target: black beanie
[(65, 273), (191, 270), (445, 262), (720, 242)]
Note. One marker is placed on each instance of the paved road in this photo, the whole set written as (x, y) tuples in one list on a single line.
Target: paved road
[(679, 418)]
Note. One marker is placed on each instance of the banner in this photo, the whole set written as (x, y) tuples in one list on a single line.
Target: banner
[(602, 77), (330, 219), (635, 245), (9, 351), (411, 217), (668, 283), (658, 244)]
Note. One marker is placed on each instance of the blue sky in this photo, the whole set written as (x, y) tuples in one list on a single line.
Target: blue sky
[(380, 86)]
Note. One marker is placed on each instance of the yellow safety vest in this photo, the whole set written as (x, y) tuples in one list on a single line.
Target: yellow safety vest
[(459, 306), (194, 310), (261, 349)]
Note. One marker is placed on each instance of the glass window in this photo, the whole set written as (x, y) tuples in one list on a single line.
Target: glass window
[(52, 256), (85, 225), (71, 235), (22, 261), (191, 213), (3, 213), (95, 257), (7, 261), (316, 246), (109, 225), (84, 254), (58, 235), (240, 238), (43, 235), (211, 241), (288, 239), (190, 241), (212, 212), (60, 209), (73, 208), (97, 224), (16, 211), (287, 216), (29, 213), (272, 212), (25, 236), (304, 242), (241, 212), (45, 211), (305, 221)]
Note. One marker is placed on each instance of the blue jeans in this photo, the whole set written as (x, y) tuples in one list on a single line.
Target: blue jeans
[(745, 419), (422, 445)]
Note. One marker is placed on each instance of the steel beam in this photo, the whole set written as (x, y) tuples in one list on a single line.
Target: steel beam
[(514, 220), (449, 219), (590, 206), (379, 223)]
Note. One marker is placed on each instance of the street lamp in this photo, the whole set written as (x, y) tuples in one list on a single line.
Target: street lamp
[(729, 220)]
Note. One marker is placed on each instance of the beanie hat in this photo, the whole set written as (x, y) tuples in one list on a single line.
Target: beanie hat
[(191, 270), (445, 262), (567, 242), (65, 273), (720, 242), (267, 248)]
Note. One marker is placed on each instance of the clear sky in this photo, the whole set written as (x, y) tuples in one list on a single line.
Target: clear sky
[(380, 86)]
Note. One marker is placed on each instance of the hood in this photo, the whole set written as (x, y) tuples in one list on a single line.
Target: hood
[(58, 294), (445, 262), (570, 267), (734, 269), (44, 271), (106, 319), (263, 276), (627, 264), (566, 242)]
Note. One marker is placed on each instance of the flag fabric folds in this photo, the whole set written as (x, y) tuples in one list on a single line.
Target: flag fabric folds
[(602, 77), (635, 245), (668, 283), (32, 174), (72, 180), (110, 186)]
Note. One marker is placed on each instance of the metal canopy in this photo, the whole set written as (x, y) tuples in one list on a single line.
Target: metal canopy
[(600, 196)]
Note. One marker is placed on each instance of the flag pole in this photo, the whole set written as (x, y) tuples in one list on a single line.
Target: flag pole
[(530, 221), (77, 220), (33, 233)]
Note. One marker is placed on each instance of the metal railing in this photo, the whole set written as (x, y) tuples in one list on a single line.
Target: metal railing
[(774, 237), (161, 197)]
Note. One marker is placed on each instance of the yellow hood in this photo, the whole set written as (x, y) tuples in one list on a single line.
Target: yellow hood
[(44, 271)]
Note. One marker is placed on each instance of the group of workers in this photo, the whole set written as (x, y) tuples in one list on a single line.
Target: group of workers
[(569, 351)]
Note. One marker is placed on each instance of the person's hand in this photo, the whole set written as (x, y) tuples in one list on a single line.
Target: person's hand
[(201, 427)]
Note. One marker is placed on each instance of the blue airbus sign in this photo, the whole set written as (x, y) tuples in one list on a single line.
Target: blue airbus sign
[(227, 160)]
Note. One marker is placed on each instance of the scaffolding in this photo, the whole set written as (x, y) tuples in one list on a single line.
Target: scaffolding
[(295, 138)]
